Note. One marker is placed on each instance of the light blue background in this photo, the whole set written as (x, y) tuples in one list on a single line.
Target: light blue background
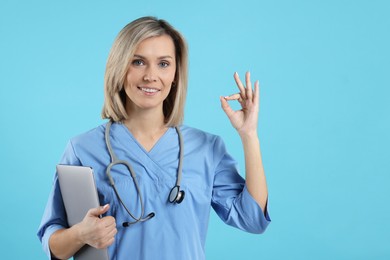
[(324, 120)]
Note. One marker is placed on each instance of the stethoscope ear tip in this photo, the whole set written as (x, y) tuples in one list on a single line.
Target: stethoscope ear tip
[(149, 216), (125, 224)]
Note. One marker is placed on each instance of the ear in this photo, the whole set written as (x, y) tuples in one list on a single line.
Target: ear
[(174, 82)]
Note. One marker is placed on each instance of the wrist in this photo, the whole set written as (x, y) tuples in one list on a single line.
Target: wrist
[(78, 234), (252, 135)]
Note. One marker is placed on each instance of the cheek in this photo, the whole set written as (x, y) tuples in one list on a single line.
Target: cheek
[(171, 75), (134, 75), (169, 80), (127, 91), (129, 82), (129, 78)]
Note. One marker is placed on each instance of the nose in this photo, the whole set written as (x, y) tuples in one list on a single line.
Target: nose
[(150, 74)]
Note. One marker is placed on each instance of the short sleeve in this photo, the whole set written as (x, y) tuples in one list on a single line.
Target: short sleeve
[(54, 217), (230, 199)]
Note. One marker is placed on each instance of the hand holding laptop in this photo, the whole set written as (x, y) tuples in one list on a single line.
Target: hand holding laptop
[(89, 234), (97, 232)]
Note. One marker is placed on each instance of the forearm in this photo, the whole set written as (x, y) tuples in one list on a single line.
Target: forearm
[(64, 243), (254, 171)]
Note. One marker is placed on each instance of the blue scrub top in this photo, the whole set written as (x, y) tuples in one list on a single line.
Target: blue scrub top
[(177, 231)]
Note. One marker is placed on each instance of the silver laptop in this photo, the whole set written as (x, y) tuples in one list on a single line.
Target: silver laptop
[(79, 194)]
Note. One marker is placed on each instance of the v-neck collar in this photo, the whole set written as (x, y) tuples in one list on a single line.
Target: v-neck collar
[(155, 146)]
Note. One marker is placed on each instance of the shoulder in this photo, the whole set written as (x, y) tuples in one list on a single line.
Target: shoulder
[(195, 134), (92, 136), (199, 138), (204, 145), (83, 144)]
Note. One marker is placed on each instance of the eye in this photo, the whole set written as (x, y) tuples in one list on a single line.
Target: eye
[(163, 64), (138, 62)]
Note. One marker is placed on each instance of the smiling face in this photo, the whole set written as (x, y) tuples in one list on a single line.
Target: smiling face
[(150, 75)]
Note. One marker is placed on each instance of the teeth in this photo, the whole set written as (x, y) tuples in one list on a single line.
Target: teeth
[(149, 90)]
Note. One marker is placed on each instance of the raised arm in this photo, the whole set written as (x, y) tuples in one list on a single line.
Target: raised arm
[(245, 122)]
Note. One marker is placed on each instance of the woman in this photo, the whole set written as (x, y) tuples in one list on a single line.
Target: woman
[(145, 90)]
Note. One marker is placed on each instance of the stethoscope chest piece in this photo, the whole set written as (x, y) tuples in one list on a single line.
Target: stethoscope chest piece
[(176, 195)]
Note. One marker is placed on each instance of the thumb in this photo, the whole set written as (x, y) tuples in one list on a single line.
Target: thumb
[(96, 212)]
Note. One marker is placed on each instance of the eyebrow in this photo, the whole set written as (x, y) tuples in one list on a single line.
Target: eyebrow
[(160, 58)]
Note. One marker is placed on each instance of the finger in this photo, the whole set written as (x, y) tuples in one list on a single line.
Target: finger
[(108, 233), (236, 96), (104, 243), (96, 212), (109, 242), (248, 87), (256, 97), (225, 106), (240, 85), (108, 221), (113, 232)]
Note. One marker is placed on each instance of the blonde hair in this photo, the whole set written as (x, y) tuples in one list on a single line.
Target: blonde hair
[(117, 66)]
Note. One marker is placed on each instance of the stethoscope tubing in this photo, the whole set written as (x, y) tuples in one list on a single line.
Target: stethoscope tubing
[(114, 161)]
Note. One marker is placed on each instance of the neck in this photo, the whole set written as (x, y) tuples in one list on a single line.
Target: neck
[(147, 128), (143, 121)]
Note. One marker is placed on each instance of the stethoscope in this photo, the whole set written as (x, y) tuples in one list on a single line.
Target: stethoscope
[(175, 195)]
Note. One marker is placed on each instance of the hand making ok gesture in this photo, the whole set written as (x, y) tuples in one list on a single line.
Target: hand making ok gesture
[(243, 120)]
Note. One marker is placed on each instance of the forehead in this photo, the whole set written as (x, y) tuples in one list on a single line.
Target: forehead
[(156, 46)]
